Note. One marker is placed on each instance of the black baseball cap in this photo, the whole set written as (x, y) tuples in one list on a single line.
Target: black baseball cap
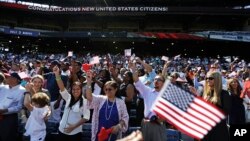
[(15, 75)]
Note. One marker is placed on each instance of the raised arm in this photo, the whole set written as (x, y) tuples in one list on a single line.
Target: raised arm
[(27, 101), (59, 81), (145, 65), (64, 93), (89, 89), (143, 89), (165, 68), (132, 67)]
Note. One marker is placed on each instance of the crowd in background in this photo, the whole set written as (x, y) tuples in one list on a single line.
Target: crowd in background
[(54, 90)]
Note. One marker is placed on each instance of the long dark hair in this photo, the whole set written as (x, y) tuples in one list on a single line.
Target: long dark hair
[(106, 74), (73, 100), (130, 75)]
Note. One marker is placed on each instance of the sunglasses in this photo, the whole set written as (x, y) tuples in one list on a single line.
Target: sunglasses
[(209, 78), (158, 79), (108, 89)]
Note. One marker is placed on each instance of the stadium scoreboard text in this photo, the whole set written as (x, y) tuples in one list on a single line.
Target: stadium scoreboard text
[(99, 9)]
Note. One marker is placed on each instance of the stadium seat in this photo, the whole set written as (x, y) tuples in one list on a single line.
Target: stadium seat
[(86, 134), (173, 135)]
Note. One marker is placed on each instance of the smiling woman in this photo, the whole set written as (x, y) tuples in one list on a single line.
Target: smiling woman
[(110, 112), (37, 83), (75, 111)]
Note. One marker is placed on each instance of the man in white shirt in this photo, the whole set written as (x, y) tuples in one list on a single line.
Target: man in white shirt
[(3, 87), (152, 127), (10, 105)]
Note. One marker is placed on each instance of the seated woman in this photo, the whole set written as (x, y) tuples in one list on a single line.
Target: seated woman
[(110, 112)]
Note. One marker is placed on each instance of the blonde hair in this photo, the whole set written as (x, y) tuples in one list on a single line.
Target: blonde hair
[(37, 76), (230, 88), (215, 96)]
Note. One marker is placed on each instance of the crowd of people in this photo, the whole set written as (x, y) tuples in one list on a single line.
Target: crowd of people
[(38, 92)]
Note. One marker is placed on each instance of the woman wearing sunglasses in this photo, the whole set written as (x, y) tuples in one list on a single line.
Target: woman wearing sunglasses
[(214, 94), (110, 112)]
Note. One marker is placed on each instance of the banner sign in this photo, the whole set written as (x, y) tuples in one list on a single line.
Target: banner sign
[(83, 9), (99, 9), (231, 36), (21, 32)]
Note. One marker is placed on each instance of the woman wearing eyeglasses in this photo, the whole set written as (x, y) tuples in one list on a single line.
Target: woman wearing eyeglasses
[(214, 94), (110, 112)]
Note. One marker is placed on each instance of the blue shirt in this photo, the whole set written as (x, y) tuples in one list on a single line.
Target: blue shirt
[(12, 99), (52, 85), (108, 118)]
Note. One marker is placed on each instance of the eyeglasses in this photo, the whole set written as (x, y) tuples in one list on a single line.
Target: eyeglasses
[(209, 78), (108, 89), (158, 79)]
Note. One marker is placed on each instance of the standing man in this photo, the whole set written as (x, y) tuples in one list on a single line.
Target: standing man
[(153, 128), (10, 105)]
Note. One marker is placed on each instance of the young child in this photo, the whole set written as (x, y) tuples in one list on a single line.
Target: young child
[(39, 109)]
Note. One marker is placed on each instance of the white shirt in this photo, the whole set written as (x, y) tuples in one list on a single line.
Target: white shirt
[(35, 126), (13, 99), (3, 88), (148, 94), (66, 73), (74, 114)]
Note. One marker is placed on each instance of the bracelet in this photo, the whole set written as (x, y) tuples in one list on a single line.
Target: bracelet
[(27, 93), (58, 78), (89, 87), (120, 126)]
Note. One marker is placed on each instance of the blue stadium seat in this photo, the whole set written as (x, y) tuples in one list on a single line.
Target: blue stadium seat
[(173, 135), (86, 134)]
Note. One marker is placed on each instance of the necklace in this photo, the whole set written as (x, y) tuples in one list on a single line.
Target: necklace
[(107, 106)]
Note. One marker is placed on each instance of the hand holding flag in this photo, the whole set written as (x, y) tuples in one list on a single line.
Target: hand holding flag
[(104, 134), (177, 57), (188, 113), (127, 52)]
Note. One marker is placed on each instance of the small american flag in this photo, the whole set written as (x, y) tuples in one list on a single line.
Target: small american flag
[(188, 113)]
